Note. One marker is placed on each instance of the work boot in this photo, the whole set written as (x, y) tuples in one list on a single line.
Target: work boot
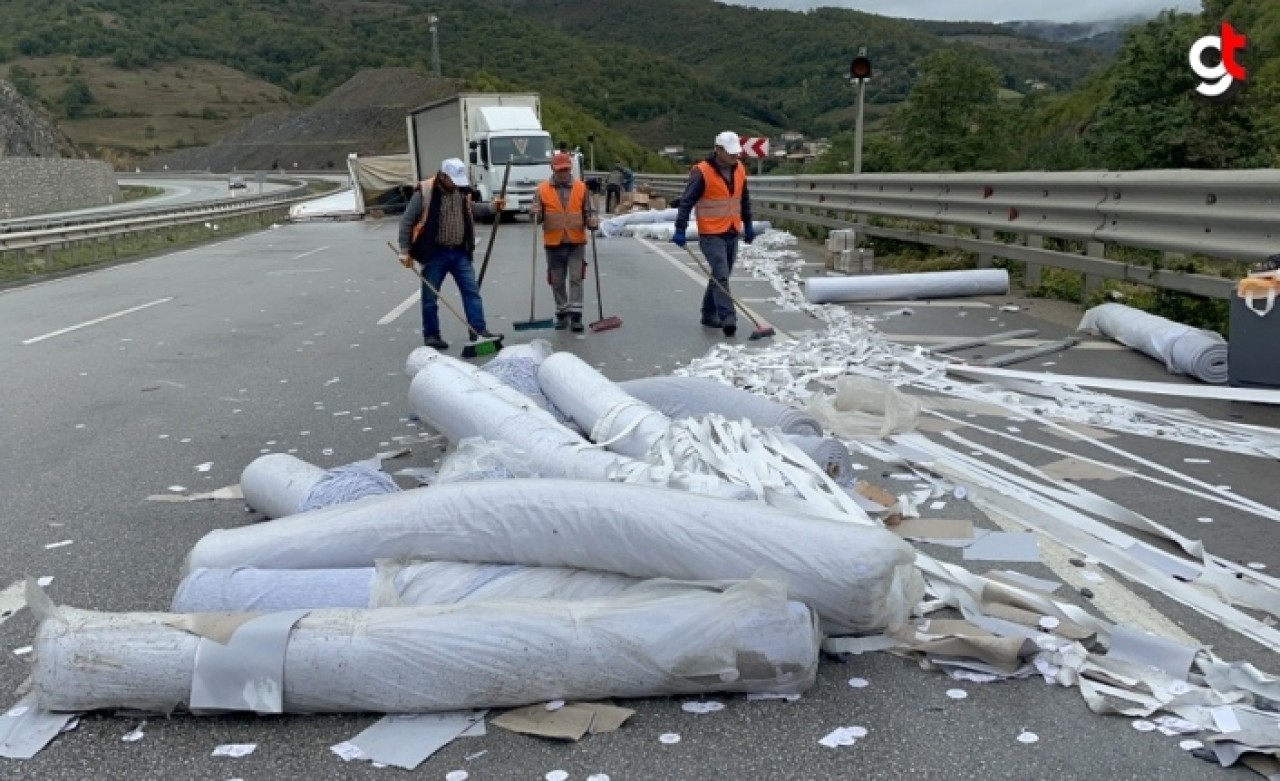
[(487, 334), (562, 322), (730, 329), (711, 322), (434, 341), (576, 324)]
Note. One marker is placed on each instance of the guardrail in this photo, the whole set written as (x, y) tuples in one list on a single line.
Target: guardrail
[(1223, 214)]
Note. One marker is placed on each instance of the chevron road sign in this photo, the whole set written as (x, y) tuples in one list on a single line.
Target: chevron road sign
[(755, 147)]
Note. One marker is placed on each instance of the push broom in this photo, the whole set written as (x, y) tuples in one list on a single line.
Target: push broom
[(604, 323), (531, 324), (762, 330), (479, 346)]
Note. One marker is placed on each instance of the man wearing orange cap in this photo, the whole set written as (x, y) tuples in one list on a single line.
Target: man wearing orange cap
[(567, 213)]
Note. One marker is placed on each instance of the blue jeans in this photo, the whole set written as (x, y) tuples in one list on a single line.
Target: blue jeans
[(721, 251), (457, 262)]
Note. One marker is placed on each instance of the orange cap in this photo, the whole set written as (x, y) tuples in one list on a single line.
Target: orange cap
[(561, 161)]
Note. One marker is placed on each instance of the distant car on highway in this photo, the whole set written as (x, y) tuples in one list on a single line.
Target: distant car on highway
[(237, 183)]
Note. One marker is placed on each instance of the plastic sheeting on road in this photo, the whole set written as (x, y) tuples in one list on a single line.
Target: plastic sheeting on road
[(390, 584), (859, 578), (892, 287), (654, 641), (1182, 349), (691, 397)]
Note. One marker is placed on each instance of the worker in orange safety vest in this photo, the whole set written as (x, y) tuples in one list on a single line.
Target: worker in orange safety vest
[(566, 210), (716, 192)]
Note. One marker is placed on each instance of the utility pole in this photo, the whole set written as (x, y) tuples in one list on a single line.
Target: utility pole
[(433, 24), (859, 73)]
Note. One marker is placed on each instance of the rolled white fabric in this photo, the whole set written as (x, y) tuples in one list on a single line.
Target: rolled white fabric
[(662, 640), (663, 231), (390, 584), (423, 357), (829, 454), (1182, 349), (277, 484), (886, 287), (691, 397), (859, 578), (600, 407)]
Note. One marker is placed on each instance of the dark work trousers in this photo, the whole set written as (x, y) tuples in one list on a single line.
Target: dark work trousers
[(721, 251), (455, 262), (613, 195), (566, 268)]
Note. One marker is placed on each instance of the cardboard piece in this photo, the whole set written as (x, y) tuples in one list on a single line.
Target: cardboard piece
[(1004, 653), (883, 498), (929, 529), (570, 722), (1075, 469), (1064, 628)]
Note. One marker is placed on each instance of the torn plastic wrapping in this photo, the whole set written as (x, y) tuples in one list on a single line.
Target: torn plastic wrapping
[(865, 407), (1181, 348), (660, 640), (479, 459), (691, 397), (858, 578), (390, 584), (277, 484)]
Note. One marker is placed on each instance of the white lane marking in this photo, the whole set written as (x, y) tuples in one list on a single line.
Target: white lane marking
[(394, 314), (292, 271), (95, 321), (942, 338), (12, 600), (310, 252), (702, 279)]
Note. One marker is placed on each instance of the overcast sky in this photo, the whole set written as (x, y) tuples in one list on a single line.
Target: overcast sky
[(990, 10)]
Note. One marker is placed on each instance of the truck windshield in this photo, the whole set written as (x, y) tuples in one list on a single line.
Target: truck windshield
[(520, 150)]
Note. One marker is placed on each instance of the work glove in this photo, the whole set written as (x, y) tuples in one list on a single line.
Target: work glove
[(678, 239), (748, 233), (405, 260), (499, 203)]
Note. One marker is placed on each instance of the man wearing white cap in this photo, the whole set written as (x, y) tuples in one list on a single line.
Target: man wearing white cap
[(717, 194), (438, 231)]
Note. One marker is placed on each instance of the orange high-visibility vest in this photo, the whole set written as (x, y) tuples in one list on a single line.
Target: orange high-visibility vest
[(719, 211), (559, 222), (428, 187)]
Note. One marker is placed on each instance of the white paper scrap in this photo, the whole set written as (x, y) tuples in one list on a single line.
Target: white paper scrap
[(1197, 461), (761, 696), (1142, 725), (234, 750), (23, 651), (710, 706), (1225, 718), (1190, 745), (135, 735), (1049, 622), (44, 581), (859, 683), (555, 705), (669, 738), (1205, 519), (557, 775), (598, 777), (205, 467), (937, 505), (840, 736), (62, 544), (1028, 737), (1257, 565), (457, 775), (347, 750), (957, 694)]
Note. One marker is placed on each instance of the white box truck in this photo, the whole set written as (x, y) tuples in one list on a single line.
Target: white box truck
[(486, 130)]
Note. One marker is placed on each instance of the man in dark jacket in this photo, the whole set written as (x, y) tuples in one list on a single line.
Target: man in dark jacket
[(440, 235), (716, 193)]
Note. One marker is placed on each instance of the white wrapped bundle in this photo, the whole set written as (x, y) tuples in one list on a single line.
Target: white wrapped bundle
[(277, 484), (663, 231), (921, 285), (391, 584), (1181, 348), (660, 640), (611, 417), (691, 397), (858, 578), (829, 454), (423, 357)]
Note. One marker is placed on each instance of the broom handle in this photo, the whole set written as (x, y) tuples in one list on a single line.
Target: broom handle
[(595, 258), (533, 268), (475, 335), (493, 234), (706, 269)]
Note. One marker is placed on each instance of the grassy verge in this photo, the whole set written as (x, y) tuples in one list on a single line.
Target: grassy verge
[(136, 192), (30, 265)]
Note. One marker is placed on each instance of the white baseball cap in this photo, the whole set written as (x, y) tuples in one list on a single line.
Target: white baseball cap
[(728, 141), (456, 170)]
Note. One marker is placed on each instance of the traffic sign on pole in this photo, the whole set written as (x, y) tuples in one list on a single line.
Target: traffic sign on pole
[(755, 147)]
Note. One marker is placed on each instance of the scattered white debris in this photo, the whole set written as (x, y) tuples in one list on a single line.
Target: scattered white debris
[(347, 750), (1142, 725), (177, 489), (1190, 745), (669, 738), (334, 381), (859, 683), (476, 755), (62, 544), (135, 735), (457, 775), (44, 581), (711, 706), (79, 425), (557, 775), (205, 467), (555, 705), (1028, 737), (1049, 622), (598, 777), (185, 440), (761, 696), (1257, 565), (1205, 519), (23, 651), (1197, 461), (327, 451), (957, 694), (235, 750), (70, 725)]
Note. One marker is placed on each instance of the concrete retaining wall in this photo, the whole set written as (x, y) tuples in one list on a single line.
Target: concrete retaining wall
[(39, 185)]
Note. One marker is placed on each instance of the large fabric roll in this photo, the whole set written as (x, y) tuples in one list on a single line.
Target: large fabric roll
[(691, 397), (600, 407), (390, 584), (887, 287), (662, 640), (829, 454), (1182, 349), (277, 484), (859, 578)]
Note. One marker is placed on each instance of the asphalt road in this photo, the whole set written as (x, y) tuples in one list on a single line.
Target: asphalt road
[(284, 341)]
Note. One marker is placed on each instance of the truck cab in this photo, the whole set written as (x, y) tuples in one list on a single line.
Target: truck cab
[(510, 134)]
